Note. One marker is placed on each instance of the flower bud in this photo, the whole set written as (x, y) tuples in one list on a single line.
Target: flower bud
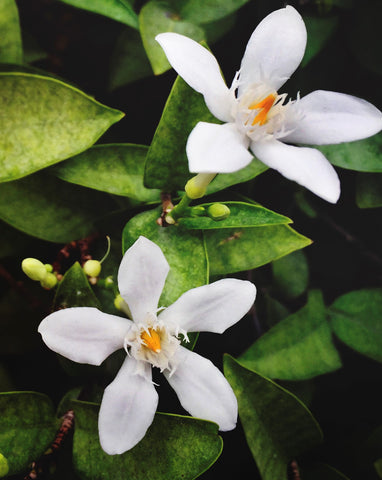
[(196, 187), (197, 211), (33, 268), (121, 305), (109, 282), (92, 268), (4, 467), (49, 281), (48, 267), (218, 211)]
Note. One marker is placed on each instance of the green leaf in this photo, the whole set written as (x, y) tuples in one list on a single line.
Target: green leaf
[(166, 163), (183, 249), (225, 180), (119, 10), (112, 168), (235, 249), (11, 49), (45, 207), (319, 29), (27, 428), (242, 215), (12, 242), (297, 348), (44, 121), (157, 17), (356, 320), (369, 190), (74, 290), (378, 467), (291, 274), (175, 447), (277, 425), (205, 11), (322, 471), (129, 61), (363, 155)]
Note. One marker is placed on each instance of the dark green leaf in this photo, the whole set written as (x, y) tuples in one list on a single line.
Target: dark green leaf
[(233, 250), (291, 274), (183, 249), (242, 215), (322, 472), (158, 17), (175, 447), (27, 427), (11, 49), (45, 207), (112, 168), (44, 121), (74, 290), (297, 348), (204, 11), (11, 241), (166, 162), (369, 190), (319, 29), (363, 155), (356, 320), (277, 425), (119, 10), (378, 467)]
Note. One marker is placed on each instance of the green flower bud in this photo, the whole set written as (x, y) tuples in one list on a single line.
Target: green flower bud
[(218, 211), (4, 467), (92, 268), (197, 211), (121, 305), (48, 267), (33, 268), (109, 282), (193, 190), (49, 281)]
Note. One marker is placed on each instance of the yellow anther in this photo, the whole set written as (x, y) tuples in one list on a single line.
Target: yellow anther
[(264, 106), (151, 339)]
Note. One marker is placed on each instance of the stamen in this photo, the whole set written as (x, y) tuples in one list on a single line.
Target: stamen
[(264, 106), (151, 340)]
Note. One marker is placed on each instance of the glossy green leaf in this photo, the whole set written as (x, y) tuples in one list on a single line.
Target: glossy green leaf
[(45, 207), (225, 180), (11, 49), (74, 290), (297, 348), (112, 168), (363, 155), (129, 61), (291, 274), (175, 447), (356, 320), (44, 121), (158, 17), (236, 249), (322, 472), (242, 215), (204, 11), (183, 249), (369, 190), (27, 427), (166, 162), (119, 10), (277, 425), (319, 29)]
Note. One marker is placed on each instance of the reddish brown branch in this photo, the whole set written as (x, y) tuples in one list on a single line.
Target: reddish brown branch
[(167, 206)]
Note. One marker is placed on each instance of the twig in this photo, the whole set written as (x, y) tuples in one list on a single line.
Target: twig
[(167, 206), (293, 471)]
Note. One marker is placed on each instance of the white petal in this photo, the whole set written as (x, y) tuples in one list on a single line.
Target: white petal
[(217, 149), (203, 390), (212, 308), (84, 334), (200, 69), (331, 117), (274, 50), (306, 166), (127, 409), (141, 277)]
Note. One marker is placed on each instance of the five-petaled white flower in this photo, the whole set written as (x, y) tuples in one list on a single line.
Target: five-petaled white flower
[(259, 117), (86, 335)]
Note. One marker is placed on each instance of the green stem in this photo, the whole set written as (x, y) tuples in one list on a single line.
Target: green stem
[(181, 207)]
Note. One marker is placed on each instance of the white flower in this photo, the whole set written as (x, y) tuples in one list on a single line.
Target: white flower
[(86, 335), (259, 117)]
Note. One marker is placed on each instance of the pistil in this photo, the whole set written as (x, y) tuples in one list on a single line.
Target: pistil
[(263, 106)]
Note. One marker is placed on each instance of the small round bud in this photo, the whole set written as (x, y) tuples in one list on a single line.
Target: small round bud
[(92, 268), (33, 268), (49, 281), (48, 267), (121, 305), (197, 211), (218, 211), (4, 467), (109, 282), (169, 219), (194, 190)]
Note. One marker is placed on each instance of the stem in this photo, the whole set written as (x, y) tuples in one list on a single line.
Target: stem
[(181, 207)]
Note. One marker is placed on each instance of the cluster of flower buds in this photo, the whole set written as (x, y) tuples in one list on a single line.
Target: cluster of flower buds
[(43, 273)]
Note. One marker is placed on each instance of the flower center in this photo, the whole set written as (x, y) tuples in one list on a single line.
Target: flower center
[(263, 106), (151, 340)]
